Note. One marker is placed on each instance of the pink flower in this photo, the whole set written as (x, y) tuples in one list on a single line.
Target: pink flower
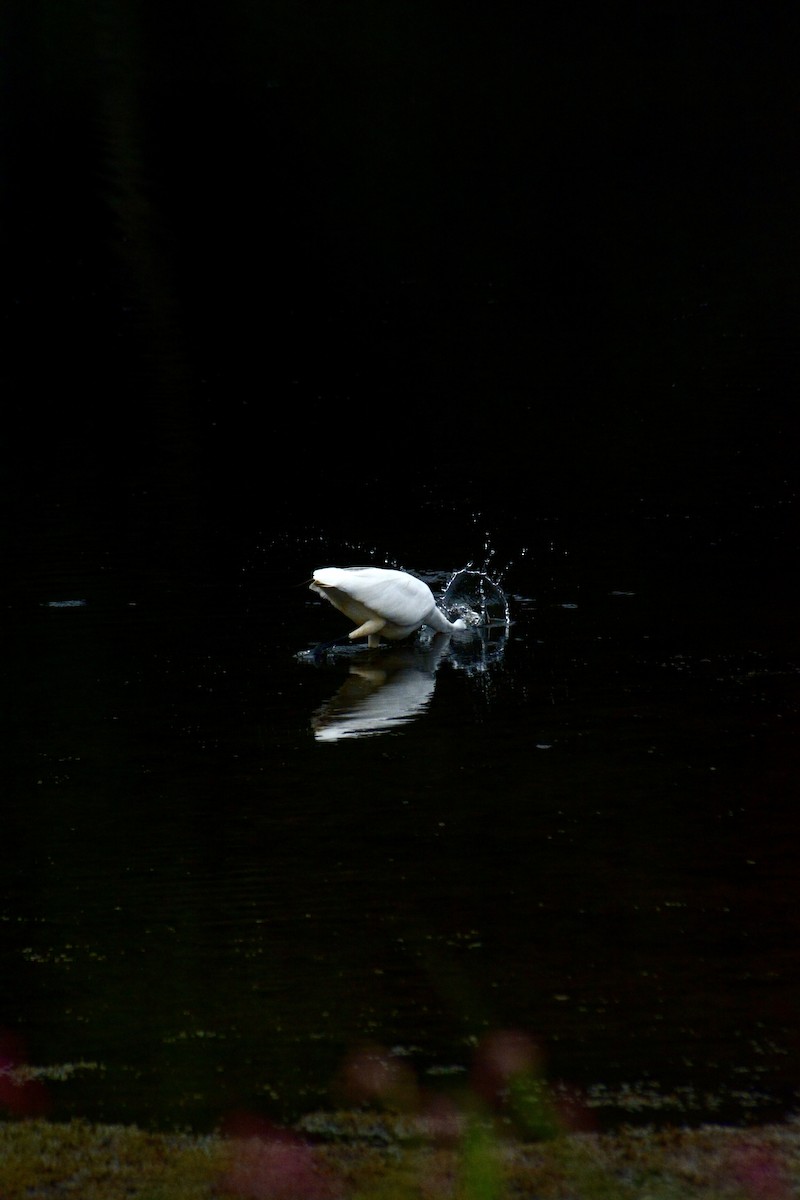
[(268, 1162), (760, 1173), (503, 1056), (372, 1074), (20, 1096)]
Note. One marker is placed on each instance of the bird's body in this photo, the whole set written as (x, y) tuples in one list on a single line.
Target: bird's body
[(382, 602)]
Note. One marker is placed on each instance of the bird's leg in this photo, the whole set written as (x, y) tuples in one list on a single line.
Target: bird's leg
[(370, 629)]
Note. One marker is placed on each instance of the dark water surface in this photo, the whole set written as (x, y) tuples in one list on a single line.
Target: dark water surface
[(592, 840), (294, 285)]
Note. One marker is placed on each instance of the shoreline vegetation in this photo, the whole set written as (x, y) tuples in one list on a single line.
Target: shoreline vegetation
[(501, 1133), (366, 1156)]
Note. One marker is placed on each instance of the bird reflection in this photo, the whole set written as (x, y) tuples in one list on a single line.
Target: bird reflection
[(382, 691)]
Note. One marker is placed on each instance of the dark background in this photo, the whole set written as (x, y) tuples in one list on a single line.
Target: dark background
[(289, 283), (371, 269)]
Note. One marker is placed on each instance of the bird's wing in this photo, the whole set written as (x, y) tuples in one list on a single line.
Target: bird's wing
[(398, 597)]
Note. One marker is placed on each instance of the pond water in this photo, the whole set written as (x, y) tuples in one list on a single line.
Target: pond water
[(298, 285), (229, 864)]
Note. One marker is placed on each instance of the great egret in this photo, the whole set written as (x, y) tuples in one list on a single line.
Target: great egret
[(383, 602)]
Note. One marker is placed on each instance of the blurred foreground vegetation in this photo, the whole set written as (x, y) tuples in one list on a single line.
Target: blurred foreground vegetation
[(41, 1159)]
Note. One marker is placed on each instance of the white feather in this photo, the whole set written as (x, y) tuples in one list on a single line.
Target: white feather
[(381, 602)]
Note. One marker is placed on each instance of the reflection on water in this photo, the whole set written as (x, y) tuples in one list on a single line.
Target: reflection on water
[(383, 690), (483, 649)]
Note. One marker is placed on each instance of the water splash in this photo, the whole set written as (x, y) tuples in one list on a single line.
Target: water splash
[(472, 594), (470, 591)]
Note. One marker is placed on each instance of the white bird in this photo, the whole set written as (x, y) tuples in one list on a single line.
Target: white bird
[(382, 602)]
